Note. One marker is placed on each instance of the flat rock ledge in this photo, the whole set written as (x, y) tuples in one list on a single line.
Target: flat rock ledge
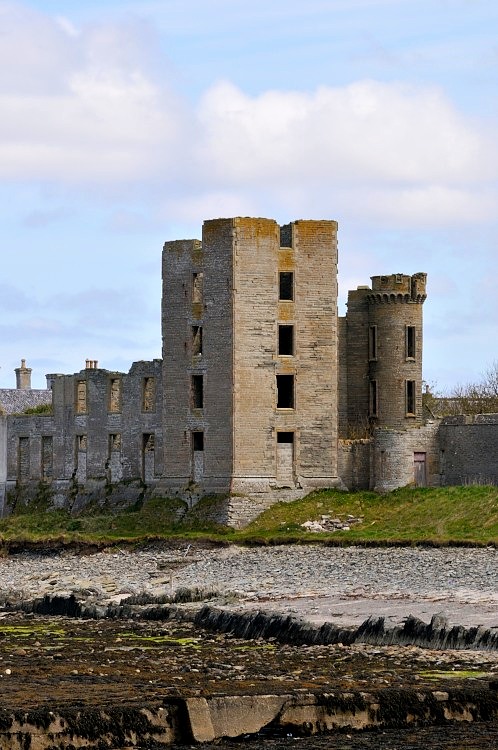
[(203, 719), (437, 634)]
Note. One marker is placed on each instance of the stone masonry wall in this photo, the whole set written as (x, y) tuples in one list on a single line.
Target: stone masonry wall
[(394, 452), (101, 432), (354, 463), (469, 449)]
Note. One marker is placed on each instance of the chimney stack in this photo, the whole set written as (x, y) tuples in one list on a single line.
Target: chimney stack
[(23, 376)]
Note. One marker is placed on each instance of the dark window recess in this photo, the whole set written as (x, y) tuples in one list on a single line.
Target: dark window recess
[(197, 391), (198, 441), (372, 342), (410, 397), (285, 437), (196, 340), (286, 285), (410, 342), (373, 398), (286, 340), (285, 391)]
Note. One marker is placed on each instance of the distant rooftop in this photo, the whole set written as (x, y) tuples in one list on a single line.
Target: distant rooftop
[(17, 400)]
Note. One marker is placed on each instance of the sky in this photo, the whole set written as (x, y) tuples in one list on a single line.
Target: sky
[(126, 124)]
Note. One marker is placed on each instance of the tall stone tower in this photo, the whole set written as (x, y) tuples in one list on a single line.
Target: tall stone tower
[(249, 326), (381, 369)]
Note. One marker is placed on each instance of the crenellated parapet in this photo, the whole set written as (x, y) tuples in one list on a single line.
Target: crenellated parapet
[(398, 288)]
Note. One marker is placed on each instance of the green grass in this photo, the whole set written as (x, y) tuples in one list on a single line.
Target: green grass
[(449, 515), (408, 515)]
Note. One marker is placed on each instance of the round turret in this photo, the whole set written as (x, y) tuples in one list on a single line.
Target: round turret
[(395, 349)]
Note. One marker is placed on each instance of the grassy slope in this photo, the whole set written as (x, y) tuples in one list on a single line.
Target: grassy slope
[(441, 515), (409, 515)]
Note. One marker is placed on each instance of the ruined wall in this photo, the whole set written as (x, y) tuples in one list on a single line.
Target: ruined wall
[(468, 446), (227, 426), (315, 248), (105, 428), (197, 361), (261, 460)]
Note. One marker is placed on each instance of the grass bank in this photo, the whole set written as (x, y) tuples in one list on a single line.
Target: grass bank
[(450, 515)]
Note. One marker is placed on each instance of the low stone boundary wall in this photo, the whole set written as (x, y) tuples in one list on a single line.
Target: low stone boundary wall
[(204, 719)]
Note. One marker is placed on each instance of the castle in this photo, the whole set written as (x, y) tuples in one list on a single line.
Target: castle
[(262, 392)]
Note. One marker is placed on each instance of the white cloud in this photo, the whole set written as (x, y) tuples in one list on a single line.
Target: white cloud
[(362, 132), (85, 107)]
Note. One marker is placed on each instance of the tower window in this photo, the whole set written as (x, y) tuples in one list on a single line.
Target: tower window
[(410, 342), (410, 398), (197, 391), (373, 407), (196, 340), (285, 391), (198, 441), (372, 342), (286, 285), (286, 340)]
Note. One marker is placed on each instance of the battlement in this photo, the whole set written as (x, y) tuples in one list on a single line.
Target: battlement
[(398, 287)]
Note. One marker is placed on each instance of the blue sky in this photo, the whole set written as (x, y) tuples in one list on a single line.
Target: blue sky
[(125, 124)]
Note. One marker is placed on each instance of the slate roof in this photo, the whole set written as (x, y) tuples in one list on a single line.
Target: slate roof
[(17, 400)]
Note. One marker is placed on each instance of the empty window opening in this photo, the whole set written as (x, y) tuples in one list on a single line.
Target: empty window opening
[(47, 457), (410, 342), (149, 394), (198, 441), (196, 340), (373, 407), (23, 461), (115, 395), (115, 443), (410, 397), (81, 397), (285, 391), (148, 442), (286, 285), (197, 391), (372, 342), (286, 340), (197, 288), (285, 437), (81, 443)]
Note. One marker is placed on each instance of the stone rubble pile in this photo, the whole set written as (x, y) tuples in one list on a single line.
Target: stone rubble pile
[(327, 523)]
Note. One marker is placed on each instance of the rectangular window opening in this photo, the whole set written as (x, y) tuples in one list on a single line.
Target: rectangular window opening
[(285, 437), (286, 340), (197, 391), (373, 398), (198, 441), (410, 397), (81, 397), (196, 340), (197, 287), (115, 395), (286, 285), (285, 391), (410, 342), (114, 443), (149, 394), (372, 342)]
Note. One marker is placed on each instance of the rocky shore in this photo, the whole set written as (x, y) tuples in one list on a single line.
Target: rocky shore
[(197, 676), (316, 582)]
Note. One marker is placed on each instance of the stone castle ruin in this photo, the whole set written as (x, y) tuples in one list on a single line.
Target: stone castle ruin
[(262, 392)]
